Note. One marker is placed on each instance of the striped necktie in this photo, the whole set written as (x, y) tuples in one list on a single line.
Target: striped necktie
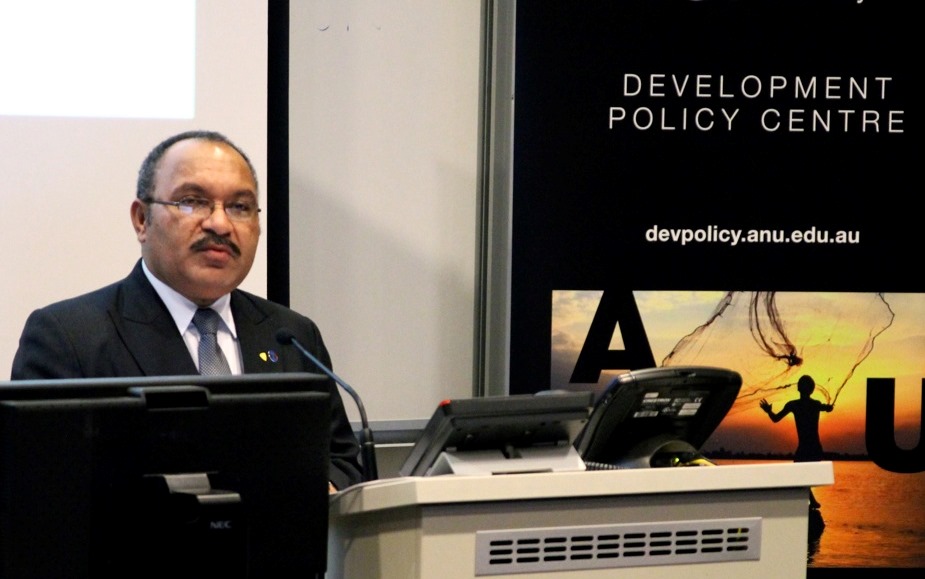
[(211, 360)]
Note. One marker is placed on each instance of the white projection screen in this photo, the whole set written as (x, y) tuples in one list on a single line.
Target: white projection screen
[(86, 90)]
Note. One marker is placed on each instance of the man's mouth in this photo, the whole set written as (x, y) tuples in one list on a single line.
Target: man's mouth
[(213, 243)]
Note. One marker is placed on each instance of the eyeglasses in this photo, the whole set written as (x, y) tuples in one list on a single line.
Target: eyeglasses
[(202, 208)]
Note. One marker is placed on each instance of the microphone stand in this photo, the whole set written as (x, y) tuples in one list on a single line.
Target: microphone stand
[(367, 445)]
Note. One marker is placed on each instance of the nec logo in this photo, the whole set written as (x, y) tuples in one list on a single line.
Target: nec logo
[(220, 525)]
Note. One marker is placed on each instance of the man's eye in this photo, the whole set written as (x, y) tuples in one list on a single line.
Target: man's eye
[(195, 202)]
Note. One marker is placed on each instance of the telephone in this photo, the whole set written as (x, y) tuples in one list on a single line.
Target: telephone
[(657, 417)]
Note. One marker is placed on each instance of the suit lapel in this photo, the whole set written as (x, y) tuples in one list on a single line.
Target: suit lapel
[(260, 352), (150, 334), (148, 331)]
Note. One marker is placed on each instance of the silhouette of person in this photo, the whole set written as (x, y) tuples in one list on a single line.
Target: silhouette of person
[(805, 410)]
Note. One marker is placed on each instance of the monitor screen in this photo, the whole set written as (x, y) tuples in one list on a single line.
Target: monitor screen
[(657, 416), (502, 423), (165, 476)]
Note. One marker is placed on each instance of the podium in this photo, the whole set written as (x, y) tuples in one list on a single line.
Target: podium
[(748, 520)]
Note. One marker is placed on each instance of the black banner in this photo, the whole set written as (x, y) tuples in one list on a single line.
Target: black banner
[(727, 182)]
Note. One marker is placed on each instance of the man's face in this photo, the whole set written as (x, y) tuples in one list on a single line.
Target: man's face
[(201, 257)]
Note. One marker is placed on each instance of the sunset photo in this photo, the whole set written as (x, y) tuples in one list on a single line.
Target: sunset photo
[(772, 339)]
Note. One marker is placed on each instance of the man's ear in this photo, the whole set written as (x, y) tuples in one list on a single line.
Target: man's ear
[(139, 215)]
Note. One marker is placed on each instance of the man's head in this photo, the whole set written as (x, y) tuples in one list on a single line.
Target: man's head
[(806, 385), (201, 250)]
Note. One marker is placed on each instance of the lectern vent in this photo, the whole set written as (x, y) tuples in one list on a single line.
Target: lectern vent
[(499, 552)]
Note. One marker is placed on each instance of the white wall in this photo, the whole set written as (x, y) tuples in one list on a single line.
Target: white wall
[(384, 146), (68, 182)]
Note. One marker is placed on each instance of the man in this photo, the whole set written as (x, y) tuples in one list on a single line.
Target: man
[(196, 218), (806, 411)]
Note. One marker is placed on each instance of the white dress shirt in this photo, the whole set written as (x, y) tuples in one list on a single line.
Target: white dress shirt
[(182, 311)]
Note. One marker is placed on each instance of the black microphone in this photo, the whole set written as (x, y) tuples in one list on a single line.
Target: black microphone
[(370, 472)]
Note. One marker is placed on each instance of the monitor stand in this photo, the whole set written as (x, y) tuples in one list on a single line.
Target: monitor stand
[(192, 528), (512, 460)]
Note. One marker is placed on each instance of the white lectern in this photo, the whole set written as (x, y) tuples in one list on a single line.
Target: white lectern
[(747, 520)]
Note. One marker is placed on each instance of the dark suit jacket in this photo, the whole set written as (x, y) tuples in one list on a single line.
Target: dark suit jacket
[(124, 329)]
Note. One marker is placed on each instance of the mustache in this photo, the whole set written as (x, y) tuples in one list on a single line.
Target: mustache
[(212, 239)]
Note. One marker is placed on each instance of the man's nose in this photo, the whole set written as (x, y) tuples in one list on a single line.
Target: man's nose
[(218, 220)]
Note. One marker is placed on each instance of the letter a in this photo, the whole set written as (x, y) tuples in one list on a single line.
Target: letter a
[(596, 355)]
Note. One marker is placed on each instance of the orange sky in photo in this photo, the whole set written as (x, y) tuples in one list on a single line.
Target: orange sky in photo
[(841, 339)]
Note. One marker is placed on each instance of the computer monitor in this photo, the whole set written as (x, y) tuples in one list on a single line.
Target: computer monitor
[(164, 476), (657, 417), (515, 429)]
